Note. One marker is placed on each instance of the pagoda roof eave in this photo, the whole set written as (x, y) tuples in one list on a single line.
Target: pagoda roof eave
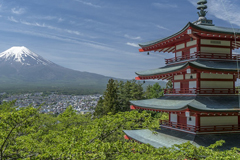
[(223, 66), (216, 29), (196, 103), (150, 43), (206, 28), (166, 137), (162, 70)]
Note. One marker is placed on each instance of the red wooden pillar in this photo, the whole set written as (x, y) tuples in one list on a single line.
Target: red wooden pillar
[(198, 45), (169, 116), (198, 81), (197, 122)]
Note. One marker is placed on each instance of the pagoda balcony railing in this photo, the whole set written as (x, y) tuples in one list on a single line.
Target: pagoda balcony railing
[(192, 128), (181, 91), (202, 91), (203, 55)]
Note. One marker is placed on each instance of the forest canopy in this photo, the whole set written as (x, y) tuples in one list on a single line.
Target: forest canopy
[(27, 134)]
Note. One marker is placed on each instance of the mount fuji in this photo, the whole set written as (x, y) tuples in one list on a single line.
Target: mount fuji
[(21, 67), (23, 56)]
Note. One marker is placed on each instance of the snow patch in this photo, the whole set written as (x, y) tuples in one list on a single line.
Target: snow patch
[(21, 55)]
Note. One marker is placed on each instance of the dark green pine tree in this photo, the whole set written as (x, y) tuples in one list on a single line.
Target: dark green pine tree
[(110, 102), (169, 85), (130, 90), (99, 108), (111, 97), (117, 97), (136, 90), (154, 91)]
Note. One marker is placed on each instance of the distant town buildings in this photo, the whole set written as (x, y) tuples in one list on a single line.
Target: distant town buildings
[(55, 103)]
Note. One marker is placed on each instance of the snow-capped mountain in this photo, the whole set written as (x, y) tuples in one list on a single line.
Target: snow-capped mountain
[(24, 56), (20, 67)]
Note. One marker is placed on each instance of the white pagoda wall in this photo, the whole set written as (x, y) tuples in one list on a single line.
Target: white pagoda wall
[(193, 50), (180, 46), (192, 121), (206, 45), (177, 85), (216, 76), (173, 117), (212, 43), (187, 76), (179, 54), (189, 46), (215, 50), (193, 84), (216, 84), (178, 77), (191, 43), (215, 42), (218, 120)]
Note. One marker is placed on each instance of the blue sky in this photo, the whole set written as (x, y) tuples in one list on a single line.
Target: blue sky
[(101, 36)]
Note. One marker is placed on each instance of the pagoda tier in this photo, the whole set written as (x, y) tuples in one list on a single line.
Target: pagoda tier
[(199, 36), (196, 114), (167, 138), (197, 77)]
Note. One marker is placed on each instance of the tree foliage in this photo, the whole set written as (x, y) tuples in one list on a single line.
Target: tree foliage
[(154, 91), (117, 97), (129, 90), (169, 85), (26, 134), (110, 102)]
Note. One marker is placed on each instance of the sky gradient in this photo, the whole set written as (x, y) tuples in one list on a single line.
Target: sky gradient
[(102, 36)]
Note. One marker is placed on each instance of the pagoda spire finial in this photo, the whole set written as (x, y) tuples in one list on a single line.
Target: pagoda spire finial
[(202, 7), (202, 20)]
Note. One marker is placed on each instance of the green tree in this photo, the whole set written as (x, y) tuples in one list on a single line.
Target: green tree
[(136, 90), (169, 85), (15, 126), (26, 134), (154, 91), (99, 108), (110, 101), (117, 97), (129, 90)]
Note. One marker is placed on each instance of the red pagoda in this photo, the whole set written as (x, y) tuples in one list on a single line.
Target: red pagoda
[(203, 105)]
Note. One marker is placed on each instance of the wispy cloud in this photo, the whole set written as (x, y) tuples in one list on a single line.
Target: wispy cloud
[(88, 3), (12, 19), (161, 27), (59, 19), (223, 9), (132, 37), (164, 5), (66, 39), (51, 27), (18, 10), (132, 44)]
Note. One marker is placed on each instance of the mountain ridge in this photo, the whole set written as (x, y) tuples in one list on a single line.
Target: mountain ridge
[(24, 70), (21, 66)]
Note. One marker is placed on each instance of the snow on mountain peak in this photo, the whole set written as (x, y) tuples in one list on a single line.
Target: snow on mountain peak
[(22, 55)]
